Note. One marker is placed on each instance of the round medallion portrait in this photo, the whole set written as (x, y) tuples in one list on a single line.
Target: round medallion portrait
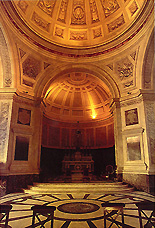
[(78, 208)]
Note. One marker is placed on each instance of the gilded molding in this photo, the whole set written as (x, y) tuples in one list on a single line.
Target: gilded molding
[(63, 11), (47, 6), (116, 23), (78, 14)]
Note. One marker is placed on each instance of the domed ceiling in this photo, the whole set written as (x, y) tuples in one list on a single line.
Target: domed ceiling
[(77, 96), (78, 23)]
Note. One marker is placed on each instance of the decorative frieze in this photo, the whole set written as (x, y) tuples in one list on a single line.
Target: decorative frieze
[(78, 14), (109, 7), (63, 11), (93, 11), (47, 6), (116, 23), (22, 5), (81, 35), (39, 21)]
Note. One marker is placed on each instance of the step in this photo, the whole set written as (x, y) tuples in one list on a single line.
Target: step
[(48, 188)]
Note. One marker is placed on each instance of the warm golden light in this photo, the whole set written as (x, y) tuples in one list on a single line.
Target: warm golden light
[(93, 114)]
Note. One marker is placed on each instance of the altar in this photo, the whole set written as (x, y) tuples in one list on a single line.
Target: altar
[(78, 166)]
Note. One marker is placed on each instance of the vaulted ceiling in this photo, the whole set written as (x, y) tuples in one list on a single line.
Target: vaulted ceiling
[(79, 23)]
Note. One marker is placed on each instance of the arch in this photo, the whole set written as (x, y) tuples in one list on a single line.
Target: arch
[(51, 74), (148, 65), (7, 80)]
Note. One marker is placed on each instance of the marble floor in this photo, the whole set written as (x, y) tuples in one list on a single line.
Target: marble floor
[(75, 210)]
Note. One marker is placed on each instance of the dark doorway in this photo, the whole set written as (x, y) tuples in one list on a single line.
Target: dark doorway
[(51, 161)]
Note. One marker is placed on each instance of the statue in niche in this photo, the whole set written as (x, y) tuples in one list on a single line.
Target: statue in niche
[(131, 117)]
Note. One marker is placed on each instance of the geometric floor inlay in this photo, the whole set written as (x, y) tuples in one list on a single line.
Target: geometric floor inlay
[(74, 210), (78, 208)]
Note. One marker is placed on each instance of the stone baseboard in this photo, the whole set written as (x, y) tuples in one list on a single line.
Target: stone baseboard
[(141, 181)]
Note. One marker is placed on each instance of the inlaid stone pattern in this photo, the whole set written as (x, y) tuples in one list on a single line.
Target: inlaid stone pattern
[(109, 7), (78, 14), (94, 11), (133, 8), (4, 129), (78, 208), (6, 63), (47, 6), (131, 117), (150, 114), (31, 67), (133, 148), (24, 116), (116, 23), (40, 22), (81, 35), (63, 11), (23, 5)]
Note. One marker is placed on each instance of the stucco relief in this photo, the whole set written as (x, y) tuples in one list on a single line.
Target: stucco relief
[(40, 22), (4, 129), (109, 7), (31, 67), (78, 14), (124, 69), (97, 32), (131, 117), (63, 11), (47, 6), (93, 10), (116, 23), (59, 32), (6, 63), (81, 35), (24, 116), (133, 8), (23, 5)]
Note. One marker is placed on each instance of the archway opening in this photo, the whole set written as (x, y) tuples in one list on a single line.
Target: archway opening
[(78, 129)]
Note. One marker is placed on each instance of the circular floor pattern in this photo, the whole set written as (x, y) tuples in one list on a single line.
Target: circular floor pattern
[(78, 208)]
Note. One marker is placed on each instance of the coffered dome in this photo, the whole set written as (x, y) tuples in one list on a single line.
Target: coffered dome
[(78, 23), (77, 96)]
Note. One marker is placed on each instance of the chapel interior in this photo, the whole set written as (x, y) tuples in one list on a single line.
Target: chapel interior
[(77, 92)]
